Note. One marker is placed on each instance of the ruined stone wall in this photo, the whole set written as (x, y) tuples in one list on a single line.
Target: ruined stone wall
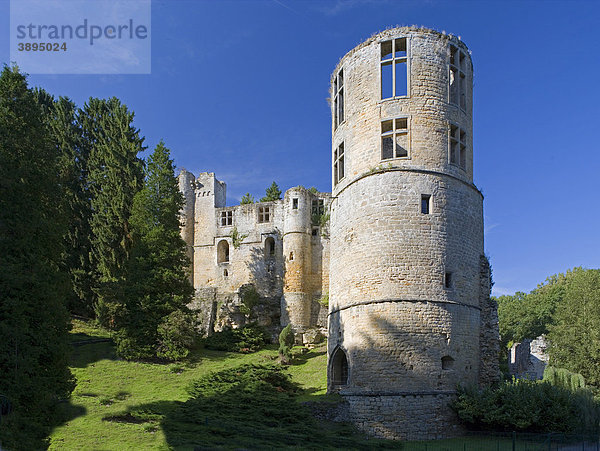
[(208, 225), (405, 302)]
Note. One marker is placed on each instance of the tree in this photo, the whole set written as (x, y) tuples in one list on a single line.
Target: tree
[(152, 320), (575, 335), (272, 193), (33, 318), (66, 135), (247, 199), (115, 176)]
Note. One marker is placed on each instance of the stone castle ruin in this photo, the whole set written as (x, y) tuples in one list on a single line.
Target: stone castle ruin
[(397, 247)]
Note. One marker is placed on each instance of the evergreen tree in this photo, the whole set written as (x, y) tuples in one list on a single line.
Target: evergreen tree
[(33, 318), (158, 286), (272, 193), (247, 199), (115, 176), (65, 132)]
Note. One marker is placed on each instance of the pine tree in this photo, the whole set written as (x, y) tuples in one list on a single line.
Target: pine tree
[(66, 134), (115, 176), (272, 193), (247, 199), (33, 318), (158, 286)]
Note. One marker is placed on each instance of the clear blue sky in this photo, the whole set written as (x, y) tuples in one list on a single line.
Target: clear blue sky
[(239, 88)]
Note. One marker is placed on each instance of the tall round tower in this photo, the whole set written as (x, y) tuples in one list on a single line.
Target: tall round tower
[(406, 233)]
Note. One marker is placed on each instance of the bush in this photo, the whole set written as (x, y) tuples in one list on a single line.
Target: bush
[(286, 343), (524, 405), (250, 338), (177, 335), (562, 377)]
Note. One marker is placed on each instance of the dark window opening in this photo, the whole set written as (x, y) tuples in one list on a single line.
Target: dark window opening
[(339, 367), (458, 146), (291, 256), (264, 214), (223, 252), (448, 280), (269, 247), (318, 207), (315, 231), (225, 273), (338, 164), (295, 204), (447, 362), (425, 203), (394, 68), (226, 218)]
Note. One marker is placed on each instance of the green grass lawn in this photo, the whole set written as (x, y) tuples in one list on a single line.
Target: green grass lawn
[(99, 414)]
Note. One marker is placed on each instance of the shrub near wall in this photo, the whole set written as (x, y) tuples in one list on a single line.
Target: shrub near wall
[(528, 406)]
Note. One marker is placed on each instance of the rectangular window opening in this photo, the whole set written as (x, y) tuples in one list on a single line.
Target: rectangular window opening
[(394, 68), (425, 203), (264, 214), (395, 138), (226, 218), (338, 164), (458, 146), (448, 280), (338, 99), (457, 80), (295, 204)]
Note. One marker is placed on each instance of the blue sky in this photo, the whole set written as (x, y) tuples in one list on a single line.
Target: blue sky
[(239, 88)]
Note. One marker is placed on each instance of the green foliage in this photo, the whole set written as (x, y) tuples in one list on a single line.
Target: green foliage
[(156, 283), (324, 300), (237, 237), (176, 335), (574, 338), (524, 405), (33, 280), (561, 377), (286, 343), (250, 298), (272, 193), (115, 176), (313, 190), (249, 338), (247, 199)]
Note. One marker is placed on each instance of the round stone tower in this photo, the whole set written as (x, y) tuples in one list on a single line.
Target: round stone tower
[(406, 233), (296, 300)]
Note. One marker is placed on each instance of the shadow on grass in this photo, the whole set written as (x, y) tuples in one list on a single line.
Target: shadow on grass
[(302, 359), (249, 407), (88, 349)]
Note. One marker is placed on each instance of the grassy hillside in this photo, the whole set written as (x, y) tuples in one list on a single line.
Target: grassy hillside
[(130, 405)]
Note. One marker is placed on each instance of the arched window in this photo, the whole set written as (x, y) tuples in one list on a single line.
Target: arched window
[(269, 247), (223, 251), (339, 367), (447, 362)]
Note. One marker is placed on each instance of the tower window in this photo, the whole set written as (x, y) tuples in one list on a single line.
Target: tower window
[(338, 99), (457, 78), (315, 231), (226, 218), (447, 362), (394, 138), (458, 146), (264, 214), (448, 280), (223, 252), (295, 203), (425, 204), (291, 256), (339, 367), (338, 164), (269, 247), (394, 68), (225, 273)]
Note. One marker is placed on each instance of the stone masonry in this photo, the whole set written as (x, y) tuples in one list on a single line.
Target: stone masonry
[(410, 315), (401, 257)]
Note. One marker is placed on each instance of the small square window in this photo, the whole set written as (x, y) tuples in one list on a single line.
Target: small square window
[(394, 138), (425, 204), (226, 218), (264, 214), (315, 231), (295, 204)]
